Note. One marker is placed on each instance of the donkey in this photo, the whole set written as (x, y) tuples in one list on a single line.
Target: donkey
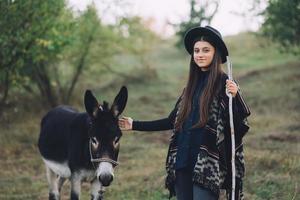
[(82, 146)]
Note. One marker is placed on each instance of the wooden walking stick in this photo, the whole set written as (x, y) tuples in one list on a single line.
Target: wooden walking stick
[(229, 71)]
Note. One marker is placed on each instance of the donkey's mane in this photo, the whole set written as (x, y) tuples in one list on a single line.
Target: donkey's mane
[(105, 106)]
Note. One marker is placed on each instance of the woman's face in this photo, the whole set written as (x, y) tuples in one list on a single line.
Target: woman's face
[(203, 54)]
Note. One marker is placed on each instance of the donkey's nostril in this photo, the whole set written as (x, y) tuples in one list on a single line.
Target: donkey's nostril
[(106, 179)]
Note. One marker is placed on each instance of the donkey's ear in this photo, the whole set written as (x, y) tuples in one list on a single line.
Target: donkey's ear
[(120, 101), (91, 103)]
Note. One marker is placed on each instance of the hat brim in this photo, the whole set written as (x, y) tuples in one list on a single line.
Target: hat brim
[(194, 33)]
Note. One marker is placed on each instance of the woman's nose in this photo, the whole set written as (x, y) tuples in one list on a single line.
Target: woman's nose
[(199, 54)]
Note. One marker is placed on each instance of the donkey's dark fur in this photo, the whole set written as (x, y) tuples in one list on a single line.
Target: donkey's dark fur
[(69, 140)]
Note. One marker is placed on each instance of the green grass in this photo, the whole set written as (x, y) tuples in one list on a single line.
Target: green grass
[(270, 82), (272, 145)]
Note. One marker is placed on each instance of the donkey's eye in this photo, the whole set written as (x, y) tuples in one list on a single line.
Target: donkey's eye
[(94, 140), (116, 142), (95, 143)]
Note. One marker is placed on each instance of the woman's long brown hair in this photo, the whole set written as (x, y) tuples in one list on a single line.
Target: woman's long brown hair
[(212, 87)]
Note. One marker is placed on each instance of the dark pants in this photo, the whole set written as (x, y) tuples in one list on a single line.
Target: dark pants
[(186, 190)]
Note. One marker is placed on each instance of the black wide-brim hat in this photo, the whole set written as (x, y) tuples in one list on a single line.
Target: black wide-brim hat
[(214, 35)]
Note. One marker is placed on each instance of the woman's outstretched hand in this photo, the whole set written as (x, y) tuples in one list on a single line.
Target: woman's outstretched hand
[(125, 123)]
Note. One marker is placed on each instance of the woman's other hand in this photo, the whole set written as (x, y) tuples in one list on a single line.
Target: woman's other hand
[(125, 123), (231, 87)]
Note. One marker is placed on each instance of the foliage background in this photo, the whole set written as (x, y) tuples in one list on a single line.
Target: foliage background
[(105, 57)]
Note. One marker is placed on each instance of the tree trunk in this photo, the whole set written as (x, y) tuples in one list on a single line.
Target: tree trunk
[(5, 90), (44, 84), (79, 67)]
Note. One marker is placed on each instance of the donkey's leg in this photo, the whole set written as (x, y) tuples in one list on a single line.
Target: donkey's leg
[(97, 190), (75, 186), (61, 181), (53, 186)]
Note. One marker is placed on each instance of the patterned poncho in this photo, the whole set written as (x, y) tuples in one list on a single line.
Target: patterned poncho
[(213, 166)]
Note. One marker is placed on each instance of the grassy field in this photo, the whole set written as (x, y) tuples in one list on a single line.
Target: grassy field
[(270, 82)]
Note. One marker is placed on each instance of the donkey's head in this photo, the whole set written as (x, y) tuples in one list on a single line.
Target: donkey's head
[(104, 133)]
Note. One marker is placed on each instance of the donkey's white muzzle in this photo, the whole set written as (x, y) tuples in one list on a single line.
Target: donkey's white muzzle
[(105, 173)]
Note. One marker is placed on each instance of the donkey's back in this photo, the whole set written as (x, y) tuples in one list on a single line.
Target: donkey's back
[(55, 133)]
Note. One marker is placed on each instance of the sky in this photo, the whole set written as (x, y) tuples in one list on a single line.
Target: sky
[(162, 12)]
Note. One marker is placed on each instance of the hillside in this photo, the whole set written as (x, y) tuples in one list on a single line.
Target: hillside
[(270, 82)]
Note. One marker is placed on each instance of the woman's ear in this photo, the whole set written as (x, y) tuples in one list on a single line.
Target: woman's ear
[(91, 103), (120, 101)]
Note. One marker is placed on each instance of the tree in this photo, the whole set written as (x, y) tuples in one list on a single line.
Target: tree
[(22, 22), (66, 52), (201, 13), (45, 48), (282, 22)]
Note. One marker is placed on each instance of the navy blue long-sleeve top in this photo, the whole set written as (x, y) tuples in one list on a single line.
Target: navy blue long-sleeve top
[(188, 140)]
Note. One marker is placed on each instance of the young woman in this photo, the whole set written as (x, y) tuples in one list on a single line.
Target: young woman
[(199, 158)]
